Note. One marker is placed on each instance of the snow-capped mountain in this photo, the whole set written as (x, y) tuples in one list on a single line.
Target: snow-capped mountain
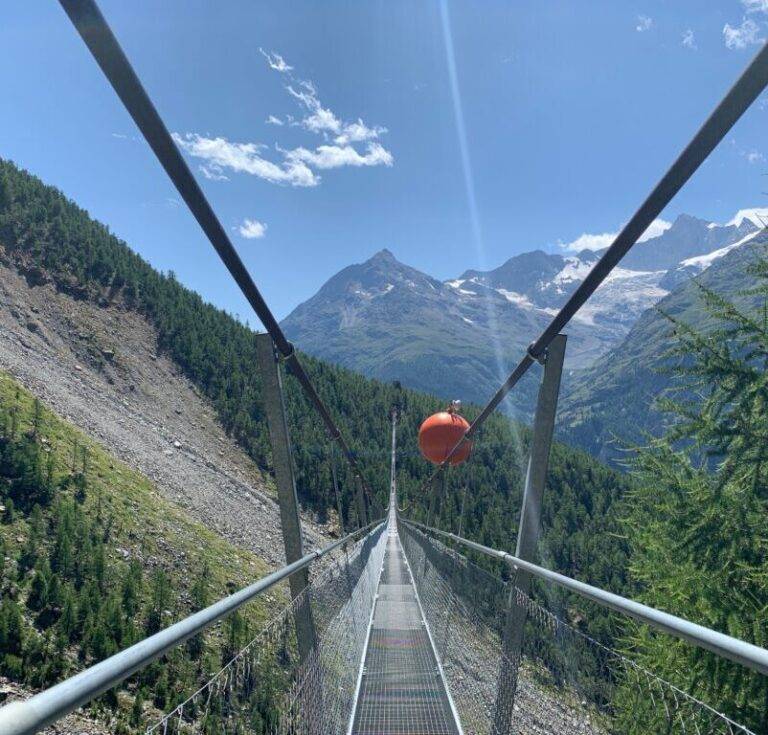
[(458, 338), (544, 281)]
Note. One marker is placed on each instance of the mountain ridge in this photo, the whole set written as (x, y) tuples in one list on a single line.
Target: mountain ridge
[(458, 337)]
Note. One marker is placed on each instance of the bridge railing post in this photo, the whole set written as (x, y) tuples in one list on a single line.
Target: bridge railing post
[(282, 461), (362, 505), (529, 531)]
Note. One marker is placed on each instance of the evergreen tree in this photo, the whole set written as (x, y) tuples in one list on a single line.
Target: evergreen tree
[(11, 628), (67, 622), (200, 599), (159, 602), (697, 518), (38, 594)]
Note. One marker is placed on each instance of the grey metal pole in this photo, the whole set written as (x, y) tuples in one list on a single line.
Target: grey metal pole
[(335, 480), (529, 529), (282, 461), (362, 506), (393, 464)]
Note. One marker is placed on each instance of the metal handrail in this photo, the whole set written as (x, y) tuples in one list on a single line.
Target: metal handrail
[(746, 654), (32, 715)]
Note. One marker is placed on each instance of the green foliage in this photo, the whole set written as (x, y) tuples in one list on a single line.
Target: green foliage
[(49, 238), (697, 518), (613, 402), (67, 599)]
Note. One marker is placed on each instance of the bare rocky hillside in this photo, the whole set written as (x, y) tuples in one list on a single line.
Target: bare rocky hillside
[(97, 367)]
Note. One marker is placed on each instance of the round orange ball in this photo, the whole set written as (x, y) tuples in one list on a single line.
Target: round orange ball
[(440, 433)]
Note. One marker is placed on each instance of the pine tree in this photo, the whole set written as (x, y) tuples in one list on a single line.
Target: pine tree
[(67, 622), (158, 603), (131, 588), (200, 598), (137, 710), (697, 520), (39, 590)]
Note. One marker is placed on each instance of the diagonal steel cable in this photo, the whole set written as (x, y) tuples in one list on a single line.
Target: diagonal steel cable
[(101, 42)]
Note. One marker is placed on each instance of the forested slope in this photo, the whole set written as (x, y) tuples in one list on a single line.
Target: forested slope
[(47, 237), (93, 559), (612, 405)]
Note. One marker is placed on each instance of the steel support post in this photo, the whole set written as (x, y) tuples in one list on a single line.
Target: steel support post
[(393, 464), (282, 461), (529, 530), (362, 506), (336, 493)]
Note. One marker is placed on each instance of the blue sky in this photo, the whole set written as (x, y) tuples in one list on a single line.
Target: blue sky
[(456, 135)]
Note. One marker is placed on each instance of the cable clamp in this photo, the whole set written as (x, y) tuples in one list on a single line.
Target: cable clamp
[(290, 354), (541, 359)]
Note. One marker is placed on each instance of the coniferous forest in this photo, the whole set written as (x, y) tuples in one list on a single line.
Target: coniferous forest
[(683, 530), (47, 236)]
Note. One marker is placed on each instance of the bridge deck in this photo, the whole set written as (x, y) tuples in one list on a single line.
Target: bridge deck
[(402, 691)]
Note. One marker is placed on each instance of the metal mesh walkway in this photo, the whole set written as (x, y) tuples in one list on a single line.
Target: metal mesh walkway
[(402, 690)]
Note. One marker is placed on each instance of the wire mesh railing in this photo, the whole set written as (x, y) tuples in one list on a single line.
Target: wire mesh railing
[(562, 680), (266, 688)]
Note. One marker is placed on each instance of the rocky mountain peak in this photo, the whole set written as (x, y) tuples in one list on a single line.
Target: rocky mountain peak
[(383, 256), (391, 321)]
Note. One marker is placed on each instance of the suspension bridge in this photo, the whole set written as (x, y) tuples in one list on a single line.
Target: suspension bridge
[(400, 627)]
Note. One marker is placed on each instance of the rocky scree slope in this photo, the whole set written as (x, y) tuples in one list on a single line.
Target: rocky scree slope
[(98, 367)]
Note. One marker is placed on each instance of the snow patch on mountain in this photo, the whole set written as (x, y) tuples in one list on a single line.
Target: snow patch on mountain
[(575, 270), (459, 282), (622, 297), (700, 262), (516, 298)]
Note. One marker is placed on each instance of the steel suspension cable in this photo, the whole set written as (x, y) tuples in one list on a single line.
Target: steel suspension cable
[(735, 103), (101, 42)]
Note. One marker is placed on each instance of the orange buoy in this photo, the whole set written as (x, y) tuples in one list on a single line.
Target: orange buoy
[(440, 433)]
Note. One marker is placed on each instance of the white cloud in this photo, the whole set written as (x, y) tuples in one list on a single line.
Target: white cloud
[(333, 156), (689, 40), (644, 23), (322, 121), (589, 241), (299, 165), (739, 37), (220, 154), (307, 97), (213, 172), (251, 229), (753, 156), (755, 6), (120, 136), (276, 61), (657, 227), (358, 132)]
